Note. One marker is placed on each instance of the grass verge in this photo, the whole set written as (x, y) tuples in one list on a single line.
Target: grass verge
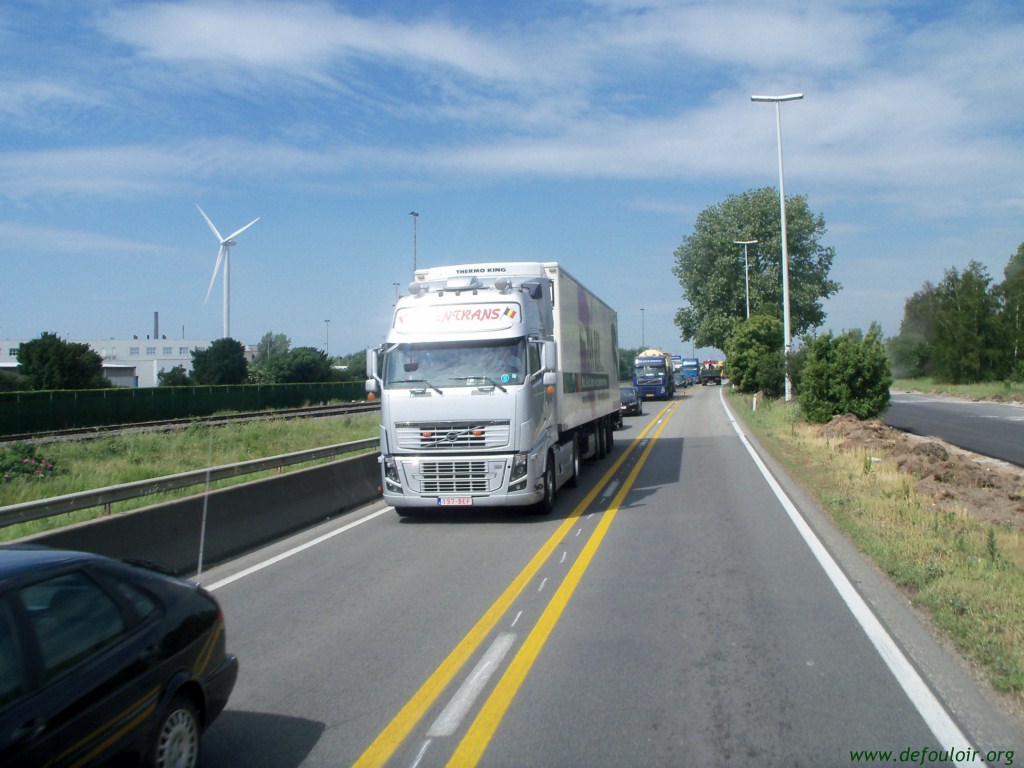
[(989, 389), (55, 469), (967, 574)]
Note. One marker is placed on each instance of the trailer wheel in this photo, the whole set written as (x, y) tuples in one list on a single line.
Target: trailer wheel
[(574, 478), (602, 440), (546, 505), (609, 436)]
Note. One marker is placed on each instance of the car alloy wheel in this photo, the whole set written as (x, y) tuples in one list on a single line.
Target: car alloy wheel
[(177, 738)]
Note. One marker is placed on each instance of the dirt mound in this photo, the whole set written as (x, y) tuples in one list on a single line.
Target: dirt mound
[(991, 490)]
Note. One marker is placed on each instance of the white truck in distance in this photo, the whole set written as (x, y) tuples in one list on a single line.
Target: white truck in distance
[(495, 381)]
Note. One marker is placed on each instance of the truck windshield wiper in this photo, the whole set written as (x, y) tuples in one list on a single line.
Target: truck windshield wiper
[(485, 378), (423, 381)]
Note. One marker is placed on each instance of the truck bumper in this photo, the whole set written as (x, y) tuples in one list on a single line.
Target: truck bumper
[(477, 481)]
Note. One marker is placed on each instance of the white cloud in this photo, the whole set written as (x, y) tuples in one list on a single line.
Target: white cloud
[(303, 38), (24, 239)]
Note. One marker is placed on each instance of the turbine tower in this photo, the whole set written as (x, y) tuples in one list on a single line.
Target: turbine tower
[(224, 254)]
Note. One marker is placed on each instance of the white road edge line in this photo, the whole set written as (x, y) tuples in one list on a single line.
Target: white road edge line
[(920, 695), (448, 721), (292, 552)]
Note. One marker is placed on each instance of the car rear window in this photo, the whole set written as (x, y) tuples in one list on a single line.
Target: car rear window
[(73, 618)]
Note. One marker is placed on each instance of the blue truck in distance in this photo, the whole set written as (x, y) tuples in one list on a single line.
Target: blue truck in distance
[(652, 375), (689, 369)]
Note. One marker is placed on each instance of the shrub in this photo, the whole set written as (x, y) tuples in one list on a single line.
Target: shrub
[(845, 374), (20, 460), (754, 352)]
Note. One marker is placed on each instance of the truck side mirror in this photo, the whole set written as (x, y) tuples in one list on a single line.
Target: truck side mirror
[(550, 356), (372, 377)]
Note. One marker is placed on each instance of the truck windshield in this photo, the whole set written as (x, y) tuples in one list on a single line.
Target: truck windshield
[(650, 369), (455, 364)]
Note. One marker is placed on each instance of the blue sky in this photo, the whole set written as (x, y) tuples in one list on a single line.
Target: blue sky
[(589, 133)]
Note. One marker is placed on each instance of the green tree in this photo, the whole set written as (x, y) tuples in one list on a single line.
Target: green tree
[(306, 364), (626, 359), (845, 374), (910, 352), (967, 343), (353, 366), (709, 266), (175, 377), (1011, 297), (223, 362), (270, 345), (51, 363), (755, 355), (12, 381), (909, 355)]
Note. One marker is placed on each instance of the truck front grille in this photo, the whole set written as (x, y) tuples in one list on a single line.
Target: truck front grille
[(438, 478), (452, 435)]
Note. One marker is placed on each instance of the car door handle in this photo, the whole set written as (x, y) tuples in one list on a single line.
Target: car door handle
[(151, 653), (27, 731)]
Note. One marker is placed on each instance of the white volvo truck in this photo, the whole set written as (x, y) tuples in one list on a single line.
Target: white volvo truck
[(495, 380)]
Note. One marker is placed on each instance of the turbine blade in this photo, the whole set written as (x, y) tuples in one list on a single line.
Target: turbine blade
[(233, 235), (215, 232), (216, 267)]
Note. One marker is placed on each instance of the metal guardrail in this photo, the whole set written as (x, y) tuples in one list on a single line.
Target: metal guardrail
[(104, 497)]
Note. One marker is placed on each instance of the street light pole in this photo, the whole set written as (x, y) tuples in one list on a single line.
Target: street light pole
[(777, 100), (746, 269), (328, 350), (415, 216)]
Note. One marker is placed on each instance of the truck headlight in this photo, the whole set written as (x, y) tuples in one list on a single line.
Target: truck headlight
[(391, 474), (520, 463)]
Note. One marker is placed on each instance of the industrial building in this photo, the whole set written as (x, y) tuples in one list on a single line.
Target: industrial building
[(130, 362)]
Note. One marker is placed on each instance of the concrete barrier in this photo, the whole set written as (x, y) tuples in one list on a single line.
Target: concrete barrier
[(238, 519)]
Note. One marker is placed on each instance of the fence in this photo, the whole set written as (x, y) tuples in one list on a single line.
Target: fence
[(22, 412)]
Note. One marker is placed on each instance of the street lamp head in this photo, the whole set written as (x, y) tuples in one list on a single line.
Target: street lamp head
[(744, 242), (790, 97)]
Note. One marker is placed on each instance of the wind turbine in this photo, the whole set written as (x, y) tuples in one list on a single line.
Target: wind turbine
[(224, 254)]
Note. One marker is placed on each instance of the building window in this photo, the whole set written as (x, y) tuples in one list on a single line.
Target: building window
[(168, 350), (182, 350), (150, 350), (133, 350), (13, 352)]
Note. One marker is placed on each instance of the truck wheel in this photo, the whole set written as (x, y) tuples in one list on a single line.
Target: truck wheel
[(574, 478), (547, 504), (602, 440), (609, 437)]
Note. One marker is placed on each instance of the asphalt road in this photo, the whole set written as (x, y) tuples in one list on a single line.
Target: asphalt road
[(991, 429), (670, 613)]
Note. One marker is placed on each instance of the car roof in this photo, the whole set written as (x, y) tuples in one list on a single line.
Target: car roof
[(16, 560)]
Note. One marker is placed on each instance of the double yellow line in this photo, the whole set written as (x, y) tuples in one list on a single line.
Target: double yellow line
[(472, 746)]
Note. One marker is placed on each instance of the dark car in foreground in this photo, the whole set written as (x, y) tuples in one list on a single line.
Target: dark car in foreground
[(101, 659), (630, 403)]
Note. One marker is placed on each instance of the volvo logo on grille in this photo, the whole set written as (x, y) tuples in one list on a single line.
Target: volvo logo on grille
[(452, 437)]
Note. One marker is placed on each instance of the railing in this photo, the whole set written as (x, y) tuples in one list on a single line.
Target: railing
[(104, 497)]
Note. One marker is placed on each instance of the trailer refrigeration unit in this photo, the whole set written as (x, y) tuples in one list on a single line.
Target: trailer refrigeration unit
[(495, 381)]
